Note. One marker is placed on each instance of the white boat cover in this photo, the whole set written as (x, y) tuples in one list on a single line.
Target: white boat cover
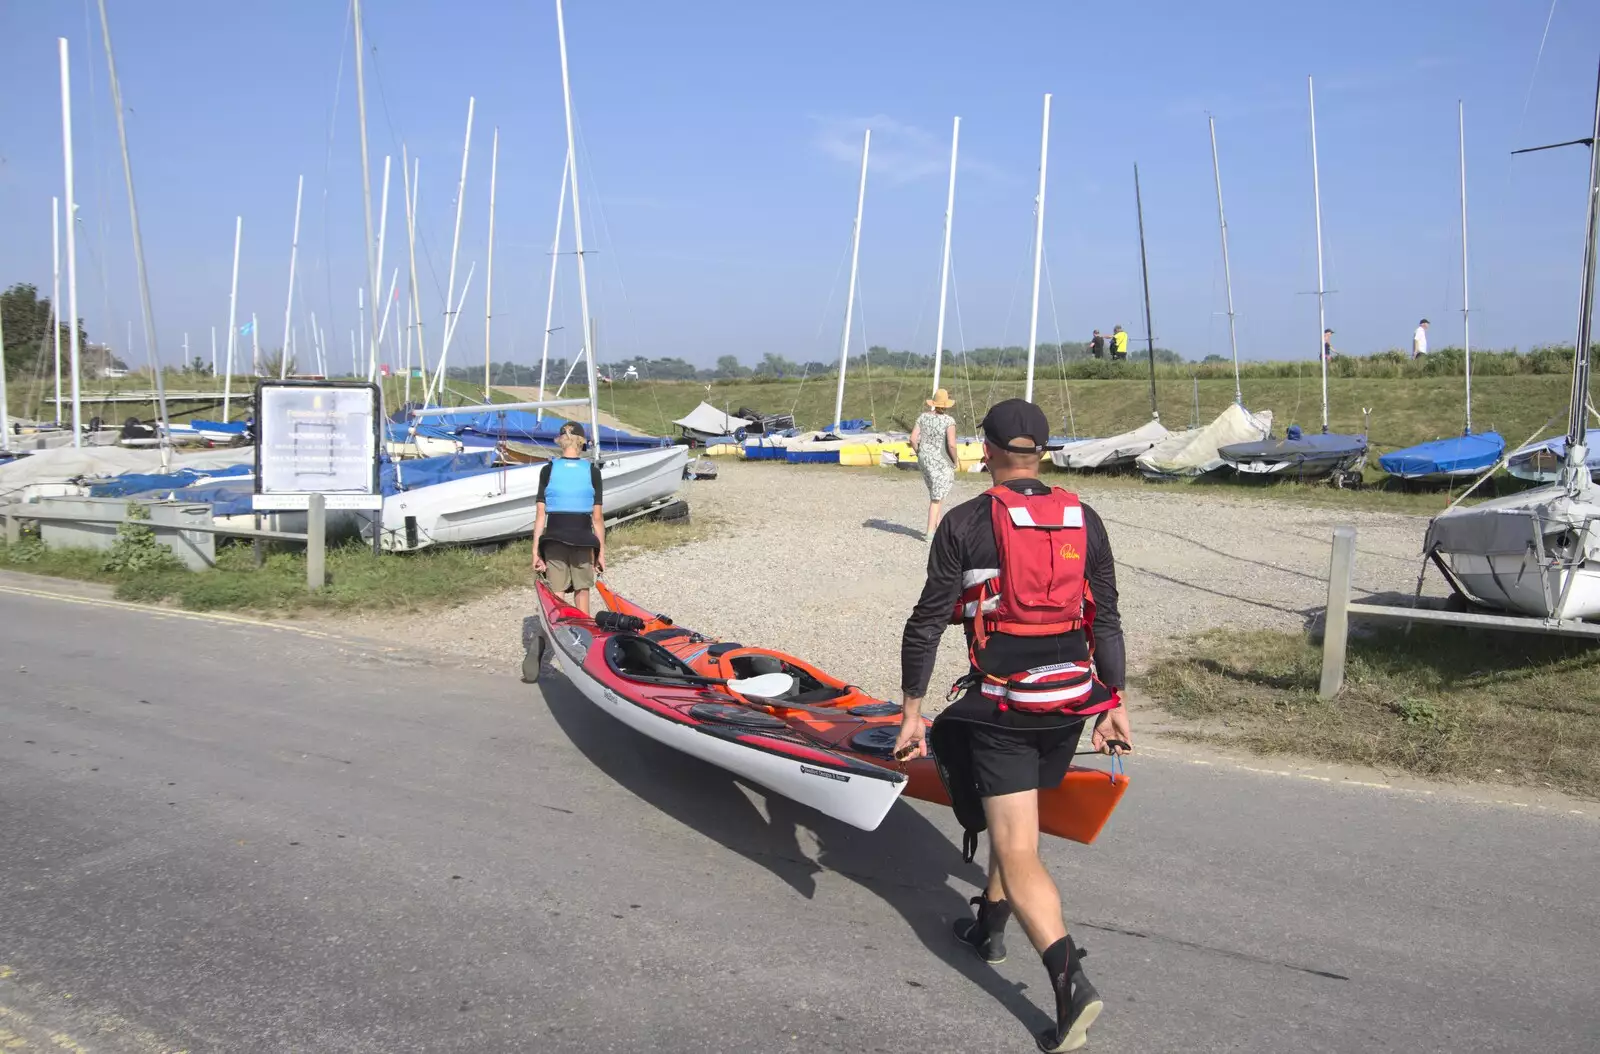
[(1194, 452), (69, 463), (708, 420), (1114, 450)]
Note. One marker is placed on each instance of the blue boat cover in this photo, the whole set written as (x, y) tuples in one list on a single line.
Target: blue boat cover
[(490, 426), (1557, 449), (235, 427), (233, 497), (143, 482), (1461, 455)]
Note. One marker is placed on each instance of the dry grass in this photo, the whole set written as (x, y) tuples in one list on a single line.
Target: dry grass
[(1435, 702)]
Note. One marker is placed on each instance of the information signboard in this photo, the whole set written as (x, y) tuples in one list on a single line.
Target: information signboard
[(318, 437)]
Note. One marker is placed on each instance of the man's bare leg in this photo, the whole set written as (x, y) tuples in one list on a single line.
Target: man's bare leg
[(580, 600), (1019, 874)]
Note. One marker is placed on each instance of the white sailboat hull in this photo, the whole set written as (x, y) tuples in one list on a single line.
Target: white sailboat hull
[(1536, 553), (499, 505)]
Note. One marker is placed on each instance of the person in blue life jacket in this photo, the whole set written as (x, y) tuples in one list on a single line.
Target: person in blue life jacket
[(569, 531), (1027, 570)]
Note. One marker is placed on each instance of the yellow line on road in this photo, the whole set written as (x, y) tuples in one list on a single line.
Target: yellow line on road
[(150, 609)]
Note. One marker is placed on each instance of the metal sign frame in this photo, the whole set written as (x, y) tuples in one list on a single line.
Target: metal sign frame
[(371, 498)]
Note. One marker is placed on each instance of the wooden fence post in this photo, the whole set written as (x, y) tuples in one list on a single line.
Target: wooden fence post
[(1336, 622)]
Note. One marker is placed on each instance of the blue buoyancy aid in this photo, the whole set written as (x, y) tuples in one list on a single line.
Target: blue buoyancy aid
[(571, 486)]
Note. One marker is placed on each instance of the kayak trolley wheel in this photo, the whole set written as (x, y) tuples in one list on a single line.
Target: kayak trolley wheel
[(724, 714), (533, 649)]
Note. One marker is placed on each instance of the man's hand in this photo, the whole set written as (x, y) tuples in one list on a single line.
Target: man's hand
[(912, 740), (600, 560), (1112, 725), (538, 564)]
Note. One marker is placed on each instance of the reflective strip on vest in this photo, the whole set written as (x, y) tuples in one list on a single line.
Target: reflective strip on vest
[(1022, 516), (1062, 684)]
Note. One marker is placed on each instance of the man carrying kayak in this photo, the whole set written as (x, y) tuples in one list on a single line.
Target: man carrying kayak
[(1027, 569)]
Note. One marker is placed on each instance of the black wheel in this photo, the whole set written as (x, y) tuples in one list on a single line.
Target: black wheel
[(677, 512), (533, 650)]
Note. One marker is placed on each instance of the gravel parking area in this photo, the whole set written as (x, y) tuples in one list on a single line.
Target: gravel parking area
[(826, 562)]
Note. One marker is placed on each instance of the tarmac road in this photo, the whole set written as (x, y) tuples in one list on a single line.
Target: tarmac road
[(221, 836)]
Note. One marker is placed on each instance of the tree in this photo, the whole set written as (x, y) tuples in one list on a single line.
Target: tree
[(26, 317), (728, 367), (273, 365), (199, 367)]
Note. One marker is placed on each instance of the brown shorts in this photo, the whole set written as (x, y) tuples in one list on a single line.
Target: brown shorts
[(568, 567)]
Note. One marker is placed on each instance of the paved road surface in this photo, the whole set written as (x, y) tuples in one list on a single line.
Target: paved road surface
[(216, 836)]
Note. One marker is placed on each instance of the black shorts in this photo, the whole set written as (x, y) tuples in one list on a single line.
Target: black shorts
[(1008, 760)]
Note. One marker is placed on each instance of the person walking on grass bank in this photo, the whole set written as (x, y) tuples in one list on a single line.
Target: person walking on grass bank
[(1027, 569), (1119, 344), (1419, 340), (933, 437), (569, 531)]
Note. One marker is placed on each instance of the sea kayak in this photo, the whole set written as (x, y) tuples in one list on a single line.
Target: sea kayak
[(633, 677), (830, 712)]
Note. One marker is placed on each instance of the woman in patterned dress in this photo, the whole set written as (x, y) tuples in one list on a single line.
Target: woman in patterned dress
[(933, 437)]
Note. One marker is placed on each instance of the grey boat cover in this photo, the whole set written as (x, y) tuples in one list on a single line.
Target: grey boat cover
[(1114, 450), (707, 420), (1196, 451)]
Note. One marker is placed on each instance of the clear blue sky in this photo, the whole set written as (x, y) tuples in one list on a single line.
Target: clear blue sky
[(721, 148)]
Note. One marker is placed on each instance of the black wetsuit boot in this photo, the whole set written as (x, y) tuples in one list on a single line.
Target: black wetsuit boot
[(986, 934), (1077, 1002)]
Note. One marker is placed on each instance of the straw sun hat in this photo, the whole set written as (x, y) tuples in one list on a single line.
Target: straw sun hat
[(941, 400)]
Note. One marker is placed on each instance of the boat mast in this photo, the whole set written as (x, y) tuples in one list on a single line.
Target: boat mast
[(383, 231), (213, 351), (450, 307), (1144, 267), (1316, 192), (577, 234), (55, 294), (5, 411), (138, 241), (550, 302), (850, 299), (1466, 329), (288, 309), (413, 180), (366, 170), (1038, 248), (1577, 432), (233, 319), (73, 343), (488, 281), (1227, 270), (944, 267)]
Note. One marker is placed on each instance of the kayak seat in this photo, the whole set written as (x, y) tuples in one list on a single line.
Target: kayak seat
[(634, 656)]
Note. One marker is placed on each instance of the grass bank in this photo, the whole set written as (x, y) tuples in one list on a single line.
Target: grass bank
[(1438, 703), (392, 583)]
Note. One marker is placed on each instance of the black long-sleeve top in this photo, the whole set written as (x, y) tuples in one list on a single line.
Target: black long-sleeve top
[(965, 541)]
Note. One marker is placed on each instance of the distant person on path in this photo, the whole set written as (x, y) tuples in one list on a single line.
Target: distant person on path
[(1119, 345), (569, 531), (933, 437), (1027, 569), (1097, 345), (1419, 340), (1327, 346)]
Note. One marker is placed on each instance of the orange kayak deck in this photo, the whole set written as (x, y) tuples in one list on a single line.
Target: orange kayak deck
[(846, 719)]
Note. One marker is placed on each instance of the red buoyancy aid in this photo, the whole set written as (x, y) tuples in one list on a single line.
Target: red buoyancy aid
[(1039, 589)]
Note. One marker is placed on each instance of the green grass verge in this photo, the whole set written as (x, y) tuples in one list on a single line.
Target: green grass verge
[(1438, 702), (396, 584)]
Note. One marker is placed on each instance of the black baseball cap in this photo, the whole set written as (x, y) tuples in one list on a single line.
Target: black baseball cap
[(1017, 425), (572, 428)]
